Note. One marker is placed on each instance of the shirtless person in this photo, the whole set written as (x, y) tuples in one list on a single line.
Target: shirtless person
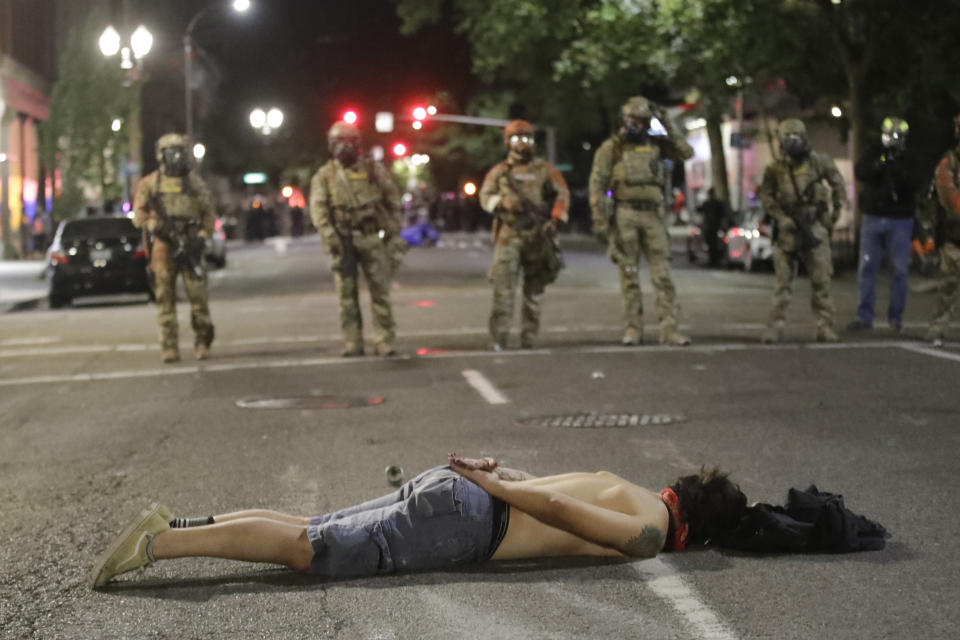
[(468, 512)]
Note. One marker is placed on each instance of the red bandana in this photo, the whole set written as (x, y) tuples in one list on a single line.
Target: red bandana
[(677, 534)]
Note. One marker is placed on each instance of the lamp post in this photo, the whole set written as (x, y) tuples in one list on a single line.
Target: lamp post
[(266, 122), (240, 6)]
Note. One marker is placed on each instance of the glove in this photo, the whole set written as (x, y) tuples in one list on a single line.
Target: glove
[(331, 244)]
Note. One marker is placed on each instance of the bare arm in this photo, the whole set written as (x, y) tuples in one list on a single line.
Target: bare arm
[(633, 536), (491, 465)]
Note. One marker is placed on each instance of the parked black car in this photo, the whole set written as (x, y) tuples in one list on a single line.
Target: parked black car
[(96, 256)]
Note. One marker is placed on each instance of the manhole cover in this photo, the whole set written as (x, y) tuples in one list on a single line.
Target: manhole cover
[(601, 420), (310, 403)]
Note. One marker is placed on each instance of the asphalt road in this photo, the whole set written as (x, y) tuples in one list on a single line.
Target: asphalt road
[(93, 428)]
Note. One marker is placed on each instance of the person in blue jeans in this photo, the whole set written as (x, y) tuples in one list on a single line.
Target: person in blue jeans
[(888, 204)]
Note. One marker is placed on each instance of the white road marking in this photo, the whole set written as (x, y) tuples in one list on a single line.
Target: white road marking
[(930, 351), (484, 387), (9, 342), (664, 581), (525, 353)]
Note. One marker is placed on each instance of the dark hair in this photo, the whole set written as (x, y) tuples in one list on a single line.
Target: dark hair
[(710, 503)]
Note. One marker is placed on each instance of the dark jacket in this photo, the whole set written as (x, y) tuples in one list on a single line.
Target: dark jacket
[(889, 186)]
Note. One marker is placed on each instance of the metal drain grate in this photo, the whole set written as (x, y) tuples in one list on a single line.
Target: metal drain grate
[(601, 420), (313, 403)]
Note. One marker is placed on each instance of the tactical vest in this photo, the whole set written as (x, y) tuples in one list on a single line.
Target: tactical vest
[(638, 173), (531, 180), (179, 198), (354, 192)]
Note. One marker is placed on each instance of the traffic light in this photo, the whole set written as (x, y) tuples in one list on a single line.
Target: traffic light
[(419, 113), (350, 116), (399, 149)]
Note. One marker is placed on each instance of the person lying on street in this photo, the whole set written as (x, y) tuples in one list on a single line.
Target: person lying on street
[(467, 512)]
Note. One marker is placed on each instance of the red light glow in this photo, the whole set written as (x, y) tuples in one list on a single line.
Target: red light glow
[(424, 303), (350, 116), (419, 113), (399, 149)]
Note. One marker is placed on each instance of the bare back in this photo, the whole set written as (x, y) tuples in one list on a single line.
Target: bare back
[(527, 537)]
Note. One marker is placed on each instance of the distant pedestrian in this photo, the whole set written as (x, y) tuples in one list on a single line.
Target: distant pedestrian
[(713, 213), (888, 203), (947, 180), (795, 193)]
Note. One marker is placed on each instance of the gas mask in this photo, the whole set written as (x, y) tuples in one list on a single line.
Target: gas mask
[(175, 163), (893, 135), (346, 151), (794, 145), (522, 146), (636, 129)]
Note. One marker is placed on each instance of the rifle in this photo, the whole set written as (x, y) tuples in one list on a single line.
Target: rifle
[(181, 235), (348, 252), (804, 212), (535, 218)]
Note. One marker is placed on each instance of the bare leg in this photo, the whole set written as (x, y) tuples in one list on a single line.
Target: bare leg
[(248, 539), (266, 514)]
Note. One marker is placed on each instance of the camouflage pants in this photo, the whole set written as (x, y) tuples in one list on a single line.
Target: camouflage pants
[(819, 264), (643, 233), (374, 261), (515, 252), (165, 273), (948, 283)]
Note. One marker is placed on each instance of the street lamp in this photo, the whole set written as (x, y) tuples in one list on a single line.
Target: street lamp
[(266, 121), (141, 41), (239, 6)]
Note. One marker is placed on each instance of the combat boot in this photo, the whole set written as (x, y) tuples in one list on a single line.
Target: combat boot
[(352, 350), (670, 336), (934, 336), (170, 355), (526, 341), (827, 334), (632, 337), (201, 352), (500, 342), (772, 334), (385, 350)]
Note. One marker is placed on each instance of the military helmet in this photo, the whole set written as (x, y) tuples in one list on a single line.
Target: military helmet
[(636, 107), (517, 128), (893, 133), (168, 140), (341, 129), (791, 126)]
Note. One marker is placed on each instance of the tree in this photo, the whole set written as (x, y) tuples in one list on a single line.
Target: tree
[(78, 140)]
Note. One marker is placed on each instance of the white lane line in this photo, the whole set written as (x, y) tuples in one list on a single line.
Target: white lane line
[(525, 353), (929, 351), (664, 581), (484, 387), (19, 342)]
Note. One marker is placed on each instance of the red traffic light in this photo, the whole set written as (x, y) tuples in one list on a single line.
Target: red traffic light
[(399, 149), (350, 116), (419, 113)]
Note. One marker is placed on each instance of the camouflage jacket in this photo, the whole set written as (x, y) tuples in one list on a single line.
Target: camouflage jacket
[(186, 197), (940, 214), (807, 186), (537, 181), (633, 171), (352, 195)]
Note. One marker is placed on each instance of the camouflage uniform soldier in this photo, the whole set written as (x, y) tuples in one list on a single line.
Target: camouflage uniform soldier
[(630, 220), (794, 192), (947, 181), (355, 206), (174, 207), (518, 192)]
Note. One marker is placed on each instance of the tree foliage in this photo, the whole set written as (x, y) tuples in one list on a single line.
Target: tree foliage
[(78, 139)]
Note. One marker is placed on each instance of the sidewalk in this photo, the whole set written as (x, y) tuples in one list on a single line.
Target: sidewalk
[(21, 282)]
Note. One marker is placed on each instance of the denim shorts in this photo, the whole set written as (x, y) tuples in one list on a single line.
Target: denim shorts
[(437, 520)]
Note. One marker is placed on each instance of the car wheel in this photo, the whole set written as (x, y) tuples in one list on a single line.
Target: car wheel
[(58, 301)]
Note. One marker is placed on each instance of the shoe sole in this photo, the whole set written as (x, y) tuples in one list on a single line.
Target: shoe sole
[(98, 568)]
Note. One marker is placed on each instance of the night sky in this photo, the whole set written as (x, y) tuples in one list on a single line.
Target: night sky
[(311, 58)]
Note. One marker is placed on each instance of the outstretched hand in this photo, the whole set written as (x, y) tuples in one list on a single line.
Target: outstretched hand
[(477, 470)]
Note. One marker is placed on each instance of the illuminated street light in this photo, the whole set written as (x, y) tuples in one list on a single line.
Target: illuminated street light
[(116, 124), (274, 118), (258, 118), (109, 42), (431, 110), (419, 113), (287, 191), (241, 6), (469, 188), (399, 149), (733, 81), (417, 124), (266, 121), (199, 151), (836, 111), (141, 42), (350, 116)]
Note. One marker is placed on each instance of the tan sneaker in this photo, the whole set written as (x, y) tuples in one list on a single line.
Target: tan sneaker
[(170, 355), (385, 350), (671, 336), (827, 334), (129, 550), (201, 352)]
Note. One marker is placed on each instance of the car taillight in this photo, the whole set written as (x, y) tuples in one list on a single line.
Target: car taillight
[(140, 254), (735, 232), (59, 258), (218, 224)]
